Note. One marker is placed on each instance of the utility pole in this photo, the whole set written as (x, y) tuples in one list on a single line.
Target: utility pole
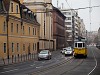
[(57, 3), (62, 5), (49, 29), (73, 31), (86, 37)]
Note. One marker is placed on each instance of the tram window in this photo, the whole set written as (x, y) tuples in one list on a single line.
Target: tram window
[(75, 44), (79, 44), (83, 44)]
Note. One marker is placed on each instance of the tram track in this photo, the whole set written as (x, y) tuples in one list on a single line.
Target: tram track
[(81, 61), (43, 71), (90, 72), (50, 67)]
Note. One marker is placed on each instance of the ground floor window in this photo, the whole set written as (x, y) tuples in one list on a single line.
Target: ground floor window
[(4, 47)]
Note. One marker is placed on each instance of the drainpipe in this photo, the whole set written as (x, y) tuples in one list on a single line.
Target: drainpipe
[(7, 20)]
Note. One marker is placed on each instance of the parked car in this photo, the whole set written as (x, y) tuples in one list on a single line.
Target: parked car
[(63, 50), (44, 54), (69, 51)]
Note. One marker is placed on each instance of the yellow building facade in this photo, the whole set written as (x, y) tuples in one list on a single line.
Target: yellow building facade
[(19, 32)]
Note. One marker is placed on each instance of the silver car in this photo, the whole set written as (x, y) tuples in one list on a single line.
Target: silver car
[(44, 54), (69, 51)]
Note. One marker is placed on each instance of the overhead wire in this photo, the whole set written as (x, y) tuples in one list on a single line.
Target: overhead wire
[(84, 8), (68, 4)]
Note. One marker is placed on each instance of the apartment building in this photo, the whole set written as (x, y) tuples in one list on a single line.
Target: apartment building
[(71, 24), (42, 10), (83, 29), (19, 31)]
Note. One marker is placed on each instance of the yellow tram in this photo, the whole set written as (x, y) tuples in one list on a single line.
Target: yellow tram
[(80, 49)]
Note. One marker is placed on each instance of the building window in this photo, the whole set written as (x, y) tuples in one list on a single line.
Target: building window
[(1, 6), (29, 30), (69, 28), (25, 14), (4, 47), (29, 15), (23, 29), (16, 8), (67, 23), (33, 46), (17, 28), (68, 18), (64, 13), (11, 7), (23, 47), (68, 13), (12, 47), (11, 27), (4, 28), (33, 31), (17, 47), (29, 49)]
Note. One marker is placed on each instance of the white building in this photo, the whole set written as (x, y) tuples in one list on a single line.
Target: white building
[(71, 24)]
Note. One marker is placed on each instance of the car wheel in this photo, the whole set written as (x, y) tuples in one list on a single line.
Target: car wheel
[(65, 55), (39, 59), (50, 57), (85, 56)]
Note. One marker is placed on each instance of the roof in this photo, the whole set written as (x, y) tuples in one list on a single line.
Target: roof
[(7, 3), (79, 42), (23, 17), (57, 10), (28, 19), (2, 9)]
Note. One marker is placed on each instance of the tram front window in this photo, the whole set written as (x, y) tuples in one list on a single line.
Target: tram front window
[(79, 44), (83, 44)]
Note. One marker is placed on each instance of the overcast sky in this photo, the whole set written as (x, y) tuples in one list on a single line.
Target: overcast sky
[(84, 13)]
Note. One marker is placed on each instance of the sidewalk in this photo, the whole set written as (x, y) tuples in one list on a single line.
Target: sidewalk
[(23, 58), (17, 59)]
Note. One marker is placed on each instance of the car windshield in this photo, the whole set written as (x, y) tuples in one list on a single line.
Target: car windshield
[(69, 49), (64, 49), (44, 52)]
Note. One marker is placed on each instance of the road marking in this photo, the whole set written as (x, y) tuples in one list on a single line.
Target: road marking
[(6, 68), (9, 71), (39, 67), (57, 60), (32, 65), (43, 62), (95, 64)]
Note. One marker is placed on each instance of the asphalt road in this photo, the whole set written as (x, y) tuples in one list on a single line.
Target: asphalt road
[(80, 66), (58, 65), (30, 66)]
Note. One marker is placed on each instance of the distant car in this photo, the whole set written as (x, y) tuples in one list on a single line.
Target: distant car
[(44, 54), (63, 50), (69, 51), (98, 46)]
